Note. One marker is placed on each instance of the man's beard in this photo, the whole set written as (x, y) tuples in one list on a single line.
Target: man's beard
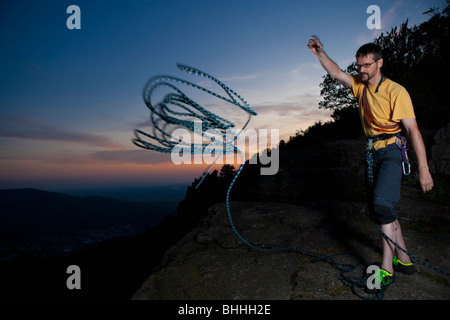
[(369, 76)]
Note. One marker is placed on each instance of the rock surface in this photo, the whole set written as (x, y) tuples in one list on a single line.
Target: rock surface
[(211, 262)]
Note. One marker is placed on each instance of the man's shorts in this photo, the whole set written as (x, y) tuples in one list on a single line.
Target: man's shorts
[(385, 195)]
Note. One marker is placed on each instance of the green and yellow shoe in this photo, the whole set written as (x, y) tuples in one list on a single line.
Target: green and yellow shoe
[(385, 280), (406, 268)]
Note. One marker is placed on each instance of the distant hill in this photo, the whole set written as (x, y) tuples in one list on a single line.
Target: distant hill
[(37, 220), (158, 193), (111, 269)]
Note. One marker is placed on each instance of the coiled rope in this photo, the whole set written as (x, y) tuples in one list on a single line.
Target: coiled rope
[(192, 112), (178, 109)]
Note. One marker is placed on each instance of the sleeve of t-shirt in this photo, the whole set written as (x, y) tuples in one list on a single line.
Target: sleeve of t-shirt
[(356, 83), (402, 106)]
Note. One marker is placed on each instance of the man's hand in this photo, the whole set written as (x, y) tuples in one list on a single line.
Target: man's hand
[(332, 68), (426, 181), (314, 45)]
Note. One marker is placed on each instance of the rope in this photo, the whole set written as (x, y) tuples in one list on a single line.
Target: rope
[(179, 110), (192, 112), (370, 119), (353, 283), (445, 273)]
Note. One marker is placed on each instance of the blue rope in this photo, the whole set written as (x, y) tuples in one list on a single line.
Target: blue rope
[(190, 113), (164, 112), (352, 283), (445, 273)]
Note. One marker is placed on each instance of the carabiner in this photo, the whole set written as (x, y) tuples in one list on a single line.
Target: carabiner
[(406, 168)]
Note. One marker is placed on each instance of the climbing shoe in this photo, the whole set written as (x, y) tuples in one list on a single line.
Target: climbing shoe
[(399, 266), (384, 279)]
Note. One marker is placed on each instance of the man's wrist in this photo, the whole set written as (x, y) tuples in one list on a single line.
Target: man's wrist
[(424, 168)]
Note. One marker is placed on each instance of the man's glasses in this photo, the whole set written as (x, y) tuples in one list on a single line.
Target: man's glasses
[(365, 65)]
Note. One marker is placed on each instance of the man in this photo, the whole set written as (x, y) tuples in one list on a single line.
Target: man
[(385, 107)]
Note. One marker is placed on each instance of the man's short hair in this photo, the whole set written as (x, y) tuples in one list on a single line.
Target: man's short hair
[(370, 48)]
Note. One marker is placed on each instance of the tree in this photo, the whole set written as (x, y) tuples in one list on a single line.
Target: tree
[(336, 96)]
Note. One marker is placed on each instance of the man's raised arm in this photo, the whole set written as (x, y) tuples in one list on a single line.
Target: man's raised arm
[(329, 65)]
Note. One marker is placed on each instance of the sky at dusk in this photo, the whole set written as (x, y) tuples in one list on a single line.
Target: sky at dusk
[(70, 99)]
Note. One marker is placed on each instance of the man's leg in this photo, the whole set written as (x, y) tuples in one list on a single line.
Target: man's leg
[(403, 257), (394, 232), (386, 195)]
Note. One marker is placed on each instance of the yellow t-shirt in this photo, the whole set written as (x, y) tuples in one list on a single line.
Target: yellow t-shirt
[(388, 106)]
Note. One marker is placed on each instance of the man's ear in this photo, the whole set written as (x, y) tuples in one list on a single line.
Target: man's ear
[(380, 63)]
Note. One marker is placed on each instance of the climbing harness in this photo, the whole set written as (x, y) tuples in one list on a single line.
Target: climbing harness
[(370, 153), (192, 112)]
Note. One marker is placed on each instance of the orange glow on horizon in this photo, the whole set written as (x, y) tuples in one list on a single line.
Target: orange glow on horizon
[(100, 174)]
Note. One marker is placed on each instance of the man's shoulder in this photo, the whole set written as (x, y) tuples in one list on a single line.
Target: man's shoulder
[(397, 92), (395, 87), (356, 80)]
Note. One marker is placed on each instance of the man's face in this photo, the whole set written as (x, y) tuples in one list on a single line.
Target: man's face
[(368, 67)]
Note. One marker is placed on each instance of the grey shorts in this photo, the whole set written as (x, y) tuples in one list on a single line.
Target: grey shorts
[(384, 195)]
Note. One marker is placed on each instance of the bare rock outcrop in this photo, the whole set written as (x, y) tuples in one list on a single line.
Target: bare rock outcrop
[(211, 262)]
